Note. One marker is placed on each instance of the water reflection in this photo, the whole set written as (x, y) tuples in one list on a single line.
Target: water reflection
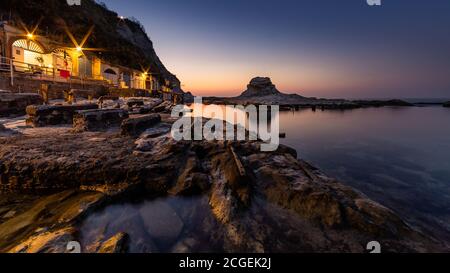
[(398, 156)]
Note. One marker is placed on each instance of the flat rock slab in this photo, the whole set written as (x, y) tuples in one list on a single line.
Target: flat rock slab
[(16, 103), (139, 124), (97, 120), (46, 115)]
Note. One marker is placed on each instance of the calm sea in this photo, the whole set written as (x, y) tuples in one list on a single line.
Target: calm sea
[(398, 156)]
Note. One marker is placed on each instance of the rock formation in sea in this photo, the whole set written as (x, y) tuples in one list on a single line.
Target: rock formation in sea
[(447, 104), (261, 90), (259, 87)]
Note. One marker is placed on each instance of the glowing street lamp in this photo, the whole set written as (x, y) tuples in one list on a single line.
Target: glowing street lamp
[(30, 36), (79, 47)]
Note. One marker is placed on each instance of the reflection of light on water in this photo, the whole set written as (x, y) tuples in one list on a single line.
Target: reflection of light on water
[(153, 226), (237, 116)]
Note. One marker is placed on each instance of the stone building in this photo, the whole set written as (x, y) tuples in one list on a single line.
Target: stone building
[(23, 55)]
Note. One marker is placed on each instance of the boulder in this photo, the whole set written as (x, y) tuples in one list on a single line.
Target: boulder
[(116, 244), (99, 119), (16, 103), (46, 115), (139, 124)]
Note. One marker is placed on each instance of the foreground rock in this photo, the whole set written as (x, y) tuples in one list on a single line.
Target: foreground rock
[(16, 103), (254, 201), (46, 115), (116, 244), (101, 119), (44, 225)]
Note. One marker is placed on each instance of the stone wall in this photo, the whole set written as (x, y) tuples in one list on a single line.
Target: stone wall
[(56, 90)]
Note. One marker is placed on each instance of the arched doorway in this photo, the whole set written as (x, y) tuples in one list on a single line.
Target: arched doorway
[(110, 75), (28, 52)]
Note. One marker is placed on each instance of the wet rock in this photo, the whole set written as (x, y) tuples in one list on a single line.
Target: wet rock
[(47, 242), (138, 124), (52, 211), (230, 193), (116, 244), (46, 115), (251, 195), (191, 181), (162, 222), (97, 120), (16, 103)]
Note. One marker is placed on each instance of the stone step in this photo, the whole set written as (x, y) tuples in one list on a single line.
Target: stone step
[(46, 115), (139, 124), (98, 120)]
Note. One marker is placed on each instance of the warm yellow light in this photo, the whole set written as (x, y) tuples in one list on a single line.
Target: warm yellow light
[(79, 49), (30, 36), (121, 17)]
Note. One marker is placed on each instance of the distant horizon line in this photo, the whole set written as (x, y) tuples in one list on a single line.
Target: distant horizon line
[(416, 99)]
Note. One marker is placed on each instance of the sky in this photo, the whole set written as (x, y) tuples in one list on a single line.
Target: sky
[(316, 48)]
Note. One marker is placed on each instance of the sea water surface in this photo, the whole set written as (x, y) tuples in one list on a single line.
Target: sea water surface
[(397, 156)]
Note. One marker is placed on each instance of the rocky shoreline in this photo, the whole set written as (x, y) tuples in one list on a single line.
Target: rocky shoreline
[(53, 179), (261, 91)]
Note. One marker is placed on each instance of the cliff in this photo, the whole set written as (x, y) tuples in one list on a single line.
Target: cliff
[(124, 41)]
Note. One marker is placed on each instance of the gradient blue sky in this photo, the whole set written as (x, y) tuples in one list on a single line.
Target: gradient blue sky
[(322, 48)]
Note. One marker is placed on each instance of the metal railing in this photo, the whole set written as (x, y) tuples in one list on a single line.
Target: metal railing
[(16, 68)]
